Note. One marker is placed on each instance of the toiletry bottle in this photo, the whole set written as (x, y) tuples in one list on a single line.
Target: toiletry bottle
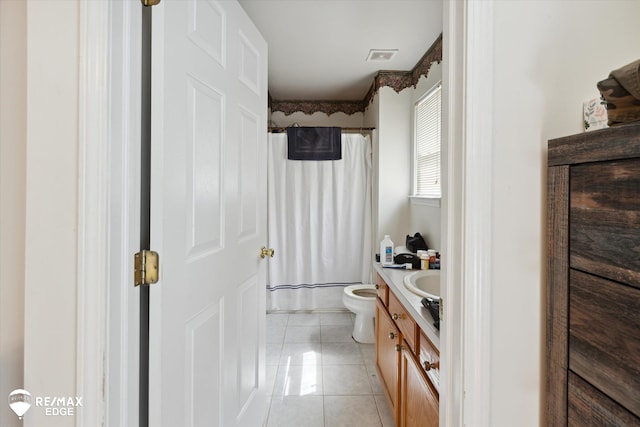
[(424, 260), (386, 251), (432, 259)]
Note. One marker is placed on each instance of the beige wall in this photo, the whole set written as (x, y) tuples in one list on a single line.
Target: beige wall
[(51, 213), (391, 113), (13, 87), (38, 192), (548, 57), (394, 165)]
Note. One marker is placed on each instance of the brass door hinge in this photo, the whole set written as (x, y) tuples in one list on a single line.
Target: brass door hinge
[(145, 268), (150, 2)]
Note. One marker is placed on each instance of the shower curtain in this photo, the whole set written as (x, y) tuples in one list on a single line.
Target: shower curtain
[(319, 215)]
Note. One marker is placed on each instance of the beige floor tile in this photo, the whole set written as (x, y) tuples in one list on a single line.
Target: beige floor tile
[(345, 380), (300, 353), (296, 411), (336, 333), (351, 411), (302, 334), (341, 353), (337, 318), (299, 380), (304, 319)]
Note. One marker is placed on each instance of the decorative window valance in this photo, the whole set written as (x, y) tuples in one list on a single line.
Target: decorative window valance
[(310, 107)]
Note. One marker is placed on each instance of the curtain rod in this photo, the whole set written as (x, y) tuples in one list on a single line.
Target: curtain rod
[(362, 129)]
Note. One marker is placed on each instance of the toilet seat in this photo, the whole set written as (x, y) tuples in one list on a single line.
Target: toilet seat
[(362, 292), (361, 300)]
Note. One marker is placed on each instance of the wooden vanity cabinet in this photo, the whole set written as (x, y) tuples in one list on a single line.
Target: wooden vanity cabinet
[(593, 284), (400, 346), (419, 406)]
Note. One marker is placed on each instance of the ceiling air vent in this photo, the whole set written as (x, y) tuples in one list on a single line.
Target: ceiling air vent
[(381, 54)]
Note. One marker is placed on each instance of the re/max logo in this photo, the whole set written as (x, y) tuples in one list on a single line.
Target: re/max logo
[(58, 401)]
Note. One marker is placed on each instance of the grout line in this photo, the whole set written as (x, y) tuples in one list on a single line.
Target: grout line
[(324, 412)]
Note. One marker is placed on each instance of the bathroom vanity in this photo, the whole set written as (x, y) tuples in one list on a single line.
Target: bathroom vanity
[(407, 355)]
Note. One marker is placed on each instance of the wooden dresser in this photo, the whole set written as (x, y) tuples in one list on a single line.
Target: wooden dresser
[(593, 293)]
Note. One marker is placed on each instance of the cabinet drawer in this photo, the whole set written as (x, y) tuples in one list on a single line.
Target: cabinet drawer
[(383, 290), (405, 323), (603, 223), (603, 336), (429, 360)]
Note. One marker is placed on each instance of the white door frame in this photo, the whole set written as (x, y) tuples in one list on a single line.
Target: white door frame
[(108, 213), (467, 204), (467, 153), (92, 210)]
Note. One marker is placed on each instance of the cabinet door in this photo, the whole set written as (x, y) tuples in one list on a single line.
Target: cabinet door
[(387, 356), (419, 406)]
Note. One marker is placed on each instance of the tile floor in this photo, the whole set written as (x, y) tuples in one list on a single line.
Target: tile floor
[(318, 376)]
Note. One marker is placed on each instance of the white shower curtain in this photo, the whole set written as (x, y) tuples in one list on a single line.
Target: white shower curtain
[(319, 219)]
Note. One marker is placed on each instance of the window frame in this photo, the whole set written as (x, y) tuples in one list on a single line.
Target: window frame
[(428, 200)]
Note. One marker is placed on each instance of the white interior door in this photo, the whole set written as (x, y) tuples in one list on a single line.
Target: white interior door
[(208, 216)]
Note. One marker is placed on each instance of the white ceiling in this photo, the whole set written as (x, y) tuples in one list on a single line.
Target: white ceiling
[(318, 48)]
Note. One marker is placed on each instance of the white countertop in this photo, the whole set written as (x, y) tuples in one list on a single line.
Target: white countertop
[(411, 302)]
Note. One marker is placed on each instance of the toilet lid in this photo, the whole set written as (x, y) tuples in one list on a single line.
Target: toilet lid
[(365, 293)]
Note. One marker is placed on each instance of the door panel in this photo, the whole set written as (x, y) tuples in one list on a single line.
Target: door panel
[(207, 28), (205, 201), (248, 352), (248, 176), (202, 349), (208, 212)]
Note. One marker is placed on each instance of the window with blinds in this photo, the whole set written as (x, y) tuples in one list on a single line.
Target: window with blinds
[(427, 145)]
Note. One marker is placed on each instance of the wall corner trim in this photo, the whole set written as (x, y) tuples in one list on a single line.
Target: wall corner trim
[(92, 218)]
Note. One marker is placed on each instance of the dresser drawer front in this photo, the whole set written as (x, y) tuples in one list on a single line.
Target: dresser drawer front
[(604, 227), (404, 321), (604, 337), (588, 407)]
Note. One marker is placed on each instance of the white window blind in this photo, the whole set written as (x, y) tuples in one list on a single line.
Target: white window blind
[(427, 145)]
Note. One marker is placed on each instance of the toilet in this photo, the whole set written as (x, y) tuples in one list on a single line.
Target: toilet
[(361, 300)]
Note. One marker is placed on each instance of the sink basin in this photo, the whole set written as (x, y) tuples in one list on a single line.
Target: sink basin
[(424, 283)]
